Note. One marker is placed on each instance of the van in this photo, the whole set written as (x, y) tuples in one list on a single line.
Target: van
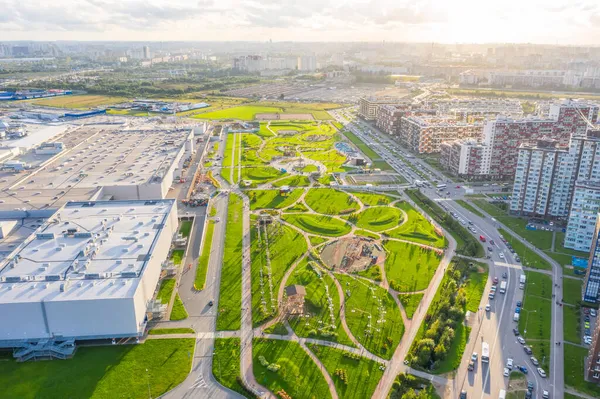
[(502, 394)]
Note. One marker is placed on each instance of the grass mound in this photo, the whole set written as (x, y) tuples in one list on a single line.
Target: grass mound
[(318, 224), (377, 218), (330, 202)]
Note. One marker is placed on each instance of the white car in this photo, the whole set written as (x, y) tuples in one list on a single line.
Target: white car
[(541, 372), (488, 307), (501, 255), (506, 372), (509, 364)]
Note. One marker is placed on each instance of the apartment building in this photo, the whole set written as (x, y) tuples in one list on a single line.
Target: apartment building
[(465, 158), (368, 107), (527, 78), (389, 117), (535, 189), (591, 285), (582, 218), (592, 366), (505, 135), (424, 135)]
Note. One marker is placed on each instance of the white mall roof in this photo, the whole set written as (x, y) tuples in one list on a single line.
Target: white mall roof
[(99, 249)]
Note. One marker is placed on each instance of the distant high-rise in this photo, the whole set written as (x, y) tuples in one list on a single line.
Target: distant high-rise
[(307, 63), (146, 52)]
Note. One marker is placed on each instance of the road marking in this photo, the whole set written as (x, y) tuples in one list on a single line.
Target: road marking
[(199, 383)]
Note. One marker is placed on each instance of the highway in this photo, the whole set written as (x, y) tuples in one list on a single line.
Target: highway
[(494, 327)]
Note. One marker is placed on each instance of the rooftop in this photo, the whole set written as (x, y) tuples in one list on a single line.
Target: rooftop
[(86, 250)]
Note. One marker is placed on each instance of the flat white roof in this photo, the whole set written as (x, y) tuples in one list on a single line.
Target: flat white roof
[(99, 249)]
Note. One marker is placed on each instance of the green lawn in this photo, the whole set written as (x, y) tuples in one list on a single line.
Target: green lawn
[(299, 207), (475, 285), (489, 208), (332, 159), (377, 218), (410, 303), (372, 199), (372, 273), (286, 245), (319, 324), (536, 317), (316, 240), (417, 228), (178, 312), (353, 377), (469, 207), (365, 233), (277, 329), (408, 386), (167, 331), (381, 332), (574, 369), (117, 371), (325, 179), (272, 199), (330, 202), (185, 227), (528, 257), (298, 376), (202, 267), (293, 181), (166, 289), (409, 267), (261, 174), (177, 256), (242, 112), (83, 101), (369, 153), (572, 324), (229, 143), (226, 364), (318, 224), (572, 290), (230, 290), (455, 353)]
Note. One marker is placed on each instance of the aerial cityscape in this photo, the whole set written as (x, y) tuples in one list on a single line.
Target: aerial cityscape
[(266, 215)]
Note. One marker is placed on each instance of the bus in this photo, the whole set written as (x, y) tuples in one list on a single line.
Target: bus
[(503, 287), (485, 352), (441, 186)]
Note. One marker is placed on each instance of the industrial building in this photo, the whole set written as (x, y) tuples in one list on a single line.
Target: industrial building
[(89, 272), (424, 135)]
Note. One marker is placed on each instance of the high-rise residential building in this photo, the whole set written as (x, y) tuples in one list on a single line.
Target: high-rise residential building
[(389, 117), (465, 158), (504, 135), (146, 52), (582, 218), (307, 63), (591, 285), (368, 107), (535, 189), (424, 135), (592, 366)]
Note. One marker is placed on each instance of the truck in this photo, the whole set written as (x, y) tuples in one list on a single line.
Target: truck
[(516, 316), (441, 186), (522, 280), (482, 238), (485, 352), (503, 287)]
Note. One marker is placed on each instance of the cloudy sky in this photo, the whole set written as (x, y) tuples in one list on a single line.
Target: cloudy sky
[(449, 21)]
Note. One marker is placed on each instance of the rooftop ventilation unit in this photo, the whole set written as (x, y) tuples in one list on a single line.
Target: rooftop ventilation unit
[(13, 279), (52, 277), (45, 236)]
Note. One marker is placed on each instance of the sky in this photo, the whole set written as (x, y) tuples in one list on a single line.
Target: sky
[(574, 22)]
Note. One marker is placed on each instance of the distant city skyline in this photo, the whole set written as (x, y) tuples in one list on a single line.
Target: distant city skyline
[(456, 21)]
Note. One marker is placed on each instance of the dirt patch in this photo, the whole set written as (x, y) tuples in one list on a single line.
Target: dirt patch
[(316, 137), (352, 254), (373, 179), (285, 117), (287, 132)]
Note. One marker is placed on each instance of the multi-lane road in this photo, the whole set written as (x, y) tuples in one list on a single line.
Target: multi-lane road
[(496, 326)]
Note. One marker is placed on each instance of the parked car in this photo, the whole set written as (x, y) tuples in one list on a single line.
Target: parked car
[(534, 361), (541, 372), (504, 275), (495, 280), (545, 395), (517, 310), (488, 307), (593, 312), (530, 386), (519, 303), (521, 340), (491, 295), (474, 356), (506, 372), (523, 369), (463, 395), (527, 350), (517, 259), (516, 332), (509, 363)]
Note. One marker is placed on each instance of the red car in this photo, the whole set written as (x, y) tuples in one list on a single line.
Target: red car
[(457, 186), (495, 280)]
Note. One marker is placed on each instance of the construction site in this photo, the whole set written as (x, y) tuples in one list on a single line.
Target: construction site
[(352, 254)]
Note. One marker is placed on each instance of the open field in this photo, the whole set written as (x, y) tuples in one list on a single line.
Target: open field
[(272, 199), (286, 245), (298, 376), (84, 101), (292, 181), (372, 199), (261, 174), (319, 288), (378, 332), (202, 267), (249, 111), (409, 267), (574, 371), (329, 201), (572, 324), (318, 224), (377, 219), (354, 377), (417, 228), (102, 372), (230, 292), (572, 290), (410, 303), (226, 364)]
